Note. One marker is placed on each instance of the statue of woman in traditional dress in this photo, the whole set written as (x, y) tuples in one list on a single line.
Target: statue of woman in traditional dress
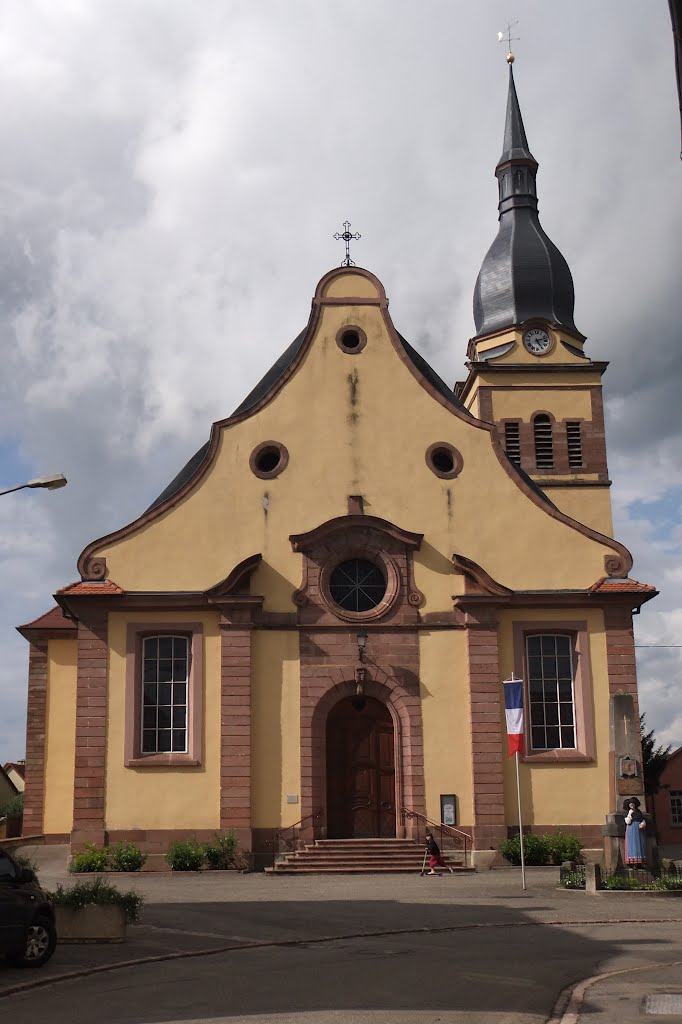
[(635, 833)]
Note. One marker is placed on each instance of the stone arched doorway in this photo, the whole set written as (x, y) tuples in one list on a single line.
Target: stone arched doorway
[(360, 770)]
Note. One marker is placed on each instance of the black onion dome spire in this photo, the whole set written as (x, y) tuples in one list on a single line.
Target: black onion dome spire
[(523, 274)]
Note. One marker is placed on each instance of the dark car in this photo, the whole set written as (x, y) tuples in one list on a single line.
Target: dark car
[(27, 930)]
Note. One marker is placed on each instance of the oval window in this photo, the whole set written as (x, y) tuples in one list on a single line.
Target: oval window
[(444, 460)]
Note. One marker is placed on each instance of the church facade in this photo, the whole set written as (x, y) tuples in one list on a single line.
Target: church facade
[(313, 622)]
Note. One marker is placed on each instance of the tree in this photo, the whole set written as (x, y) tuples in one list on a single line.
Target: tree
[(654, 758)]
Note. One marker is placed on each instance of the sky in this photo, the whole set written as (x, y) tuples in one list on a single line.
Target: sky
[(172, 174)]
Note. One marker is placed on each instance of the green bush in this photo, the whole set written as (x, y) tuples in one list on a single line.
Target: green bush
[(125, 856), (220, 853), (621, 882), (14, 808), (185, 855), (91, 859), (101, 893), (535, 849), (668, 883), (573, 880), (562, 847), (25, 862)]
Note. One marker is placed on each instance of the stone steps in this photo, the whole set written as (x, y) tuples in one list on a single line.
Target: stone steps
[(360, 856)]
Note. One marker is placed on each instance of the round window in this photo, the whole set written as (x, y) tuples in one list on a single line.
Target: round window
[(444, 460), (357, 585), (268, 459), (351, 340)]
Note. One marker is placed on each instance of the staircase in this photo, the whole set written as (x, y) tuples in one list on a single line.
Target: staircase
[(360, 857)]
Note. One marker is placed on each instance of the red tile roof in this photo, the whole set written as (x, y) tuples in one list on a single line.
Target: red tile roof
[(91, 587), (54, 619), (611, 586)]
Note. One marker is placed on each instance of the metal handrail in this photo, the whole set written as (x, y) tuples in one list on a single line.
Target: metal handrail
[(441, 828), (281, 833)]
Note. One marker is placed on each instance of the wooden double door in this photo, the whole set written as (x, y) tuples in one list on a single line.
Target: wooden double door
[(360, 770)]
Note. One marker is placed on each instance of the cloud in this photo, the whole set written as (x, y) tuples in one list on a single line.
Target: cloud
[(171, 175)]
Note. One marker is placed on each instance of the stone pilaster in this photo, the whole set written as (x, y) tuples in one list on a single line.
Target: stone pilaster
[(91, 730), (486, 729), (235, 729), (36, 729)]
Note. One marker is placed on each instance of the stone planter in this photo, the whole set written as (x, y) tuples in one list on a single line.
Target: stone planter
[(13, 827), (94, 923)]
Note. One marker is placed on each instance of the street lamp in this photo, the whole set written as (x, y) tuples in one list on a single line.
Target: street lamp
[(51, 483)]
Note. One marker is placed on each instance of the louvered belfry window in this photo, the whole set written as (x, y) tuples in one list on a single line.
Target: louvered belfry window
[(544, 449), (512, 442), (575, 445)]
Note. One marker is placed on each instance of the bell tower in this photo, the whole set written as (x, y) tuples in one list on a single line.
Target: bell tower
[(529, 373)]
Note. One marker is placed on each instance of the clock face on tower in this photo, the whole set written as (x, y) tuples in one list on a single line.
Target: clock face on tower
[(537, 341)]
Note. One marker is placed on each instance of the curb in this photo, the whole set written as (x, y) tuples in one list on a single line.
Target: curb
[(567, 1007), (266, 943)]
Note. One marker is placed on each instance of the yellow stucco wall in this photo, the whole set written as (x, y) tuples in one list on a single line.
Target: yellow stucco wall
[(444, 690), (564, 793), (355, 424), (275, 729), (563, 403), (141, 797), (60, 739), (589, 505)]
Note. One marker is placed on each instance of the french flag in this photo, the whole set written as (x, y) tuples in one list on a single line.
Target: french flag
[(513, 709)]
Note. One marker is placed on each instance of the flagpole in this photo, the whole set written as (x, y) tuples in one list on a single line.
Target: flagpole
[(518, 800), (518, 797)]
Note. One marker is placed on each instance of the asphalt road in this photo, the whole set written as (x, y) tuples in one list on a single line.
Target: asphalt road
[(510, 973), (471, 949)]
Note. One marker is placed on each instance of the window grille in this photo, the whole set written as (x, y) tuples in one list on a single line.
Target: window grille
[(164, 694), (575, 445), (549, 659), (544, 450), (512, 442), (357, 585), (676, 807)]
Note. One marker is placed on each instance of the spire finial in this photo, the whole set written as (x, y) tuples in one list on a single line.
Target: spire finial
[(509, 37)]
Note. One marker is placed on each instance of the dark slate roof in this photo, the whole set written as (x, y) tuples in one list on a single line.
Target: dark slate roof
[(273, 375), (432, 377), (515, 143), (676, 18), (523, 274), (181, 479), (531, 483)]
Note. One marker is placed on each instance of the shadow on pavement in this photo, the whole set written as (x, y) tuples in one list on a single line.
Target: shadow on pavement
[(487, 960)]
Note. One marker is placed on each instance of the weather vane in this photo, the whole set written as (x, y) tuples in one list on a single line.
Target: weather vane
[(347, 236), (509, 37)]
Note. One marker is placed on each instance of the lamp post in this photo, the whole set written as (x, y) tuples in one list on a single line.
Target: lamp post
[(51, 483)]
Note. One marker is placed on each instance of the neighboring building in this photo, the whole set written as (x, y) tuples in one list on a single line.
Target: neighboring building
[(668, 807), (7, 789), (207, 671), (15, 771)]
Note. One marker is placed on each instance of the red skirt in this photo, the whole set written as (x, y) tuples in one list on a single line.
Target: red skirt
[(437, 862)]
